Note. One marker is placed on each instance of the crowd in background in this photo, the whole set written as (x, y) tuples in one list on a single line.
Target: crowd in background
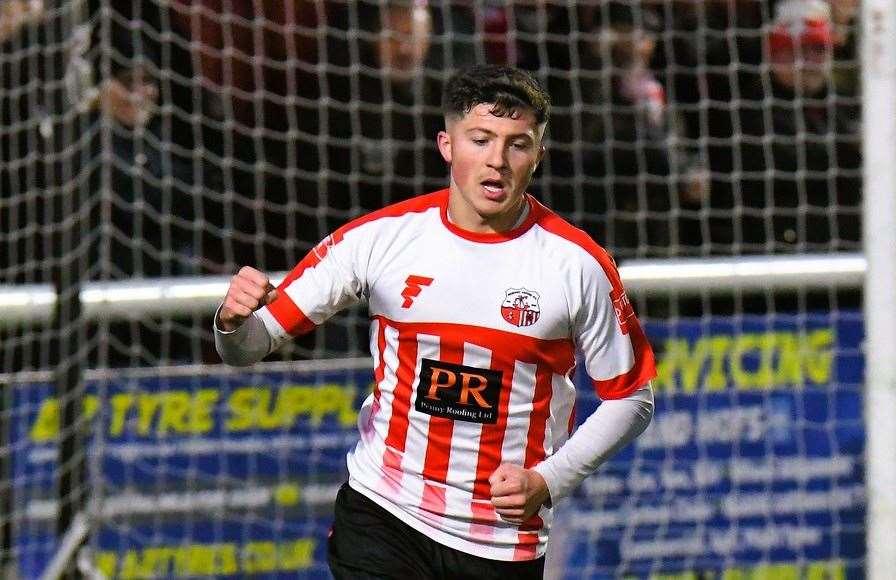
[(243, 132)]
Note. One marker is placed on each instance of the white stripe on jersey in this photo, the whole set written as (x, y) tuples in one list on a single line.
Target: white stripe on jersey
[(519, 414)]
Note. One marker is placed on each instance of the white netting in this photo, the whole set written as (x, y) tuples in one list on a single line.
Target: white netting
[(189, 137)]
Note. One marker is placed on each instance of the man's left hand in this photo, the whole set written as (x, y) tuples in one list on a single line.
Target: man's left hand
[(517, 492)]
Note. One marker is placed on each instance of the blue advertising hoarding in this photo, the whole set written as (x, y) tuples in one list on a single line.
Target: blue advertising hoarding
[(753, 463), (752, 468)]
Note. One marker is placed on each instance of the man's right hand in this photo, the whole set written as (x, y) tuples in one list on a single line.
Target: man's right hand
[(249, 290)]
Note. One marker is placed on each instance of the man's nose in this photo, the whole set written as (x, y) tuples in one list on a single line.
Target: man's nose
[(497, 156)]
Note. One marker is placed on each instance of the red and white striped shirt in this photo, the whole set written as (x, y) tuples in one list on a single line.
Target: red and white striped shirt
[(474, 339)]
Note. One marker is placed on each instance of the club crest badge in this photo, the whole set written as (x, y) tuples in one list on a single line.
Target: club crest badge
[(520, 307)]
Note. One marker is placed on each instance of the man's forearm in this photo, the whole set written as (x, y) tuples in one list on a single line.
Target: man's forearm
[(613, 425)]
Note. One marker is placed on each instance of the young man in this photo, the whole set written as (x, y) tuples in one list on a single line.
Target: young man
[(479, 298)]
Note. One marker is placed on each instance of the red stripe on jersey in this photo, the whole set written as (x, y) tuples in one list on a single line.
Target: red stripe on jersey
[(538, 420), (527, 538), (533, 524), (379, 374), (401, 404), (438, 442), (417, 204), (644, 367), (290, 316), (557, 354), (525, 551), (526, 544), (507, 348), (482, 524)]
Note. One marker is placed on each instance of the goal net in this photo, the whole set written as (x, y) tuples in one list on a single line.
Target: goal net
[(176, 140)]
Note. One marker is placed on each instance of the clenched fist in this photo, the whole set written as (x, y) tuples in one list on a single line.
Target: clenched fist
[(517, 493), (249, 290)]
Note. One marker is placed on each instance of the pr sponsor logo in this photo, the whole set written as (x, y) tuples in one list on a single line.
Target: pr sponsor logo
[(458, 392)]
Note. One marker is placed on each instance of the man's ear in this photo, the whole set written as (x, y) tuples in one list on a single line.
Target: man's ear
[(443, 140)]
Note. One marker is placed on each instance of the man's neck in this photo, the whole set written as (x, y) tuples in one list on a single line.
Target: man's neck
[(508, 221)]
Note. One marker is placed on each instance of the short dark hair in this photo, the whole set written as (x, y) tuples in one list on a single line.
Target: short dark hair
[(509, 90)]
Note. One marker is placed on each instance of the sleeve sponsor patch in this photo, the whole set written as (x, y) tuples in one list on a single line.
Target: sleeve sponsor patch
[(623, 309)]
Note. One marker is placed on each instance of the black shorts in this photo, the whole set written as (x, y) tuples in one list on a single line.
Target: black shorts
[(369, 543)]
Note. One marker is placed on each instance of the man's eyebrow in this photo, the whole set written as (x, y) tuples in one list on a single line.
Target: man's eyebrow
[(493, 134)]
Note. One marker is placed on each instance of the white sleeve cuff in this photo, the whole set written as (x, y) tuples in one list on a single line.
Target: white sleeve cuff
[(611, 427)]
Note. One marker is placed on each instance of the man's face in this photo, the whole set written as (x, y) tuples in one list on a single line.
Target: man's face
[(492, 160), (404, 41), (624, 47), (804, 68)]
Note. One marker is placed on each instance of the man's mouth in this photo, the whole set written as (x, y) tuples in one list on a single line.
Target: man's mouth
[(494, 188)]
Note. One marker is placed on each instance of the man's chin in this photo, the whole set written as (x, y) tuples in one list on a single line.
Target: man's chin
[(496, 210), (492, 208)]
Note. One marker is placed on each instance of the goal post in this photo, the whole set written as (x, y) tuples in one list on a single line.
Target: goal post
[(879, 90)]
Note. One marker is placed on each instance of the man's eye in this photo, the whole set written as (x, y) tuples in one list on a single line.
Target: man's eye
[(480, 141), (520, 146)]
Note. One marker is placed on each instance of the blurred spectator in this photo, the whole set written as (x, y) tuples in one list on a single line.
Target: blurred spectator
[(846, 76), (703, 48), (250, 53), (786, 160), (843, 14), (383, 119), (15, 14), (130, 98), (648, 175), (157, 184), (337, 128), (257, 90)]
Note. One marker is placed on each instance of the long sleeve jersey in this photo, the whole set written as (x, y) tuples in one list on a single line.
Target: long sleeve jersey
[(474, 339)]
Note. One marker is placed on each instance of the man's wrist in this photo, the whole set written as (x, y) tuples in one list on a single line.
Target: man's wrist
[(223, 326), (542, 492), (544, 472)]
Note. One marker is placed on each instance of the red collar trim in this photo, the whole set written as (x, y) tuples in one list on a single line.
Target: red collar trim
[(535, 213)]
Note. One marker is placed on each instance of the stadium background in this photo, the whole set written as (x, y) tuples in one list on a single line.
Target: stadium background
[(165, 140)]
